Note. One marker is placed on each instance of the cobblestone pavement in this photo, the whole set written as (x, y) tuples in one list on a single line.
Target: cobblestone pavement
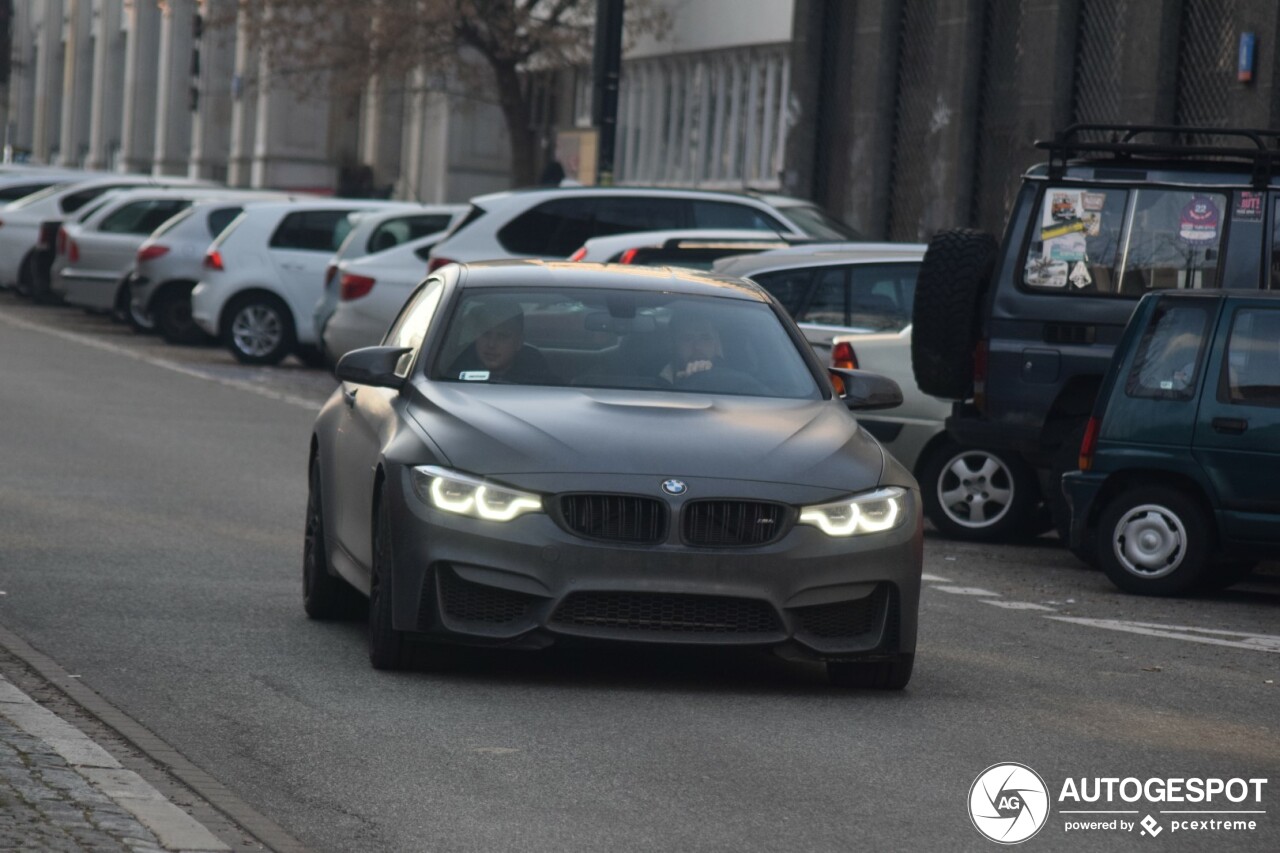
[(60, 791)]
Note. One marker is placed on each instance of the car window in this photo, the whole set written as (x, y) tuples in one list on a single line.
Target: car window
[(172, 223), (829, 304), (881, 296), (311, 230), (625, 214), (722, 214), (393, 232), (615, 338), (72, 202), (411, 326), (1125, 242), (1167, 360), (90, 210), (220, 218), (1252, 375), (696, 254), (17, 191), (142, 217), (787, 286), (816, 223), (552, 229)]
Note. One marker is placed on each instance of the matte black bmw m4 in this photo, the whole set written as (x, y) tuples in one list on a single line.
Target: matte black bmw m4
[(541, 452)]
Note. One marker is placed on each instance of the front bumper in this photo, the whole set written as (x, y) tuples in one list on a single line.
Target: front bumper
[(531, 583)]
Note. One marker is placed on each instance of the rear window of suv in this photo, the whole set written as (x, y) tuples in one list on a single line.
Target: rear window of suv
[(393, 232), (1124, 242)]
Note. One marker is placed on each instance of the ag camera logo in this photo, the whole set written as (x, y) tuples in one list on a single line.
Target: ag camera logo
[(1008, 803)]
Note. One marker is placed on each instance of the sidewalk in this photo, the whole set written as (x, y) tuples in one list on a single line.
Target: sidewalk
[(61, 791)]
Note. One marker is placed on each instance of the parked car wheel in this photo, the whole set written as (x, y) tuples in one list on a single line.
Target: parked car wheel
[(140, 320), (1155, 541), (25, 286), (955, 272), (876, 675), (324, 596), (979, 495), (259, 329), (173, 316), (386, 644)]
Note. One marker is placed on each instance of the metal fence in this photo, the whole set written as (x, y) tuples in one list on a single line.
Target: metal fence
[(1206, 62), (1001, 147), (1101, 43)]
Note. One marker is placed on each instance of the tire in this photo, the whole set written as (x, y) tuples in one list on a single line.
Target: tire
[(120, 309), (873, 675), (953, 277), (172, 312), (386, 644), (259, 329), (979, 495), (140, 321), (25, 285), (1153, 540), (324, 596)]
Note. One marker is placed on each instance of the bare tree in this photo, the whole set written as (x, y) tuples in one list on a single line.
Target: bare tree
[(346, 44)]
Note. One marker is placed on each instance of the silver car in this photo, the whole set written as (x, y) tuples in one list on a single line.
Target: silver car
[(170, 261)]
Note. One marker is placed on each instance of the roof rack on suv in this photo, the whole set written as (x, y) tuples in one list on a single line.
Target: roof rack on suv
[(1068, 142)]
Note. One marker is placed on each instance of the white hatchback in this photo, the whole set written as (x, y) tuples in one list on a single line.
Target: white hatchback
[(265, 272)]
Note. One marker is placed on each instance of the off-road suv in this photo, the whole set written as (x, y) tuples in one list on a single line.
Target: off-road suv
[(1020, 333)]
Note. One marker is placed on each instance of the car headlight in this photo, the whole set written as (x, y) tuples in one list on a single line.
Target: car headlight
[(874, 512), (454, 492)]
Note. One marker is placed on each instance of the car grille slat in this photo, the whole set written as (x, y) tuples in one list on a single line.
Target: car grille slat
[(733, 524), (615, 518), (667, 612)]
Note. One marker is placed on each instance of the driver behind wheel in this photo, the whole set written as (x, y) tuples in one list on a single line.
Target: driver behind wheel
[(695, 346)]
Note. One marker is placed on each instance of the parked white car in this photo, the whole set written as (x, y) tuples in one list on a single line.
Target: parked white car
[(380, 231), (170, 261), (555, 222), (264, 274), (27, 220), (835, 290), (969, 493), (95, 252)]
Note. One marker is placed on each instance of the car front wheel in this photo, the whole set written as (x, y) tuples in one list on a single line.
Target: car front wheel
[(324, 596), (386, 644), (1155, 541), (979, 495), (259, 330)]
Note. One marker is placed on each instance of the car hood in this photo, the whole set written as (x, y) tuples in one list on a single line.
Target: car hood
[(496, 430)]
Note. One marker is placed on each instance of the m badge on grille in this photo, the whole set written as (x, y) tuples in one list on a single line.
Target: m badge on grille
[(674, 487)]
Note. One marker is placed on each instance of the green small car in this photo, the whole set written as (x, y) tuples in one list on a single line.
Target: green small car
[(1179, 481)]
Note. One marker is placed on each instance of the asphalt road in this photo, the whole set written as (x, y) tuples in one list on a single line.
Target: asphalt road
[(151, 509)]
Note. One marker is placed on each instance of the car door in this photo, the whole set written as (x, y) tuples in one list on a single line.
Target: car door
[(300, 250), (1237, 433), (371, 417)]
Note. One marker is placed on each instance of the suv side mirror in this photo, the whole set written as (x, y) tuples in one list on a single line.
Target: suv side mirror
[(372, 366), (863, 392)]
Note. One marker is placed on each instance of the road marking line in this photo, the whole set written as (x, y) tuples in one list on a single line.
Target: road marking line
[(1018, 605), (164, 363), (928, 578), (967, 590), (1256, 642)]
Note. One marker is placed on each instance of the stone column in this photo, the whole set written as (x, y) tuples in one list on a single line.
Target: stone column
[(173, 93), (137, 132), (291, 142), (211, 124), (381, 125), (244, 101), (77, 83), (108, 85)]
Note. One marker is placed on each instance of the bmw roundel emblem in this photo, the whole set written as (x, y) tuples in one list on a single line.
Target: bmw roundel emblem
[(674, 487)]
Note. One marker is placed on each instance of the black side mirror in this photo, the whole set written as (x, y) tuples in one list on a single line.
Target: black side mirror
[(863, 392), (372, 366)]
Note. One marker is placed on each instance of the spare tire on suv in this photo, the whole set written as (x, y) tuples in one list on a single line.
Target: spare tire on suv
[(953, 278)]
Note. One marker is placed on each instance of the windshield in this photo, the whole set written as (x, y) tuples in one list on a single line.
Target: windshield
[(629, 339), (816, 223)]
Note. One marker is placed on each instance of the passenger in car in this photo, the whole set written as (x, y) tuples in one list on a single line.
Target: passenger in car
[(499, 354), (696, 347)]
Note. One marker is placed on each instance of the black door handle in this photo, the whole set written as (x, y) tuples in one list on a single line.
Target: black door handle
[(349, 397), (1235, 426)]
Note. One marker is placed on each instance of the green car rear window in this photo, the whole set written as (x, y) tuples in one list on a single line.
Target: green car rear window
[(1167, 362)]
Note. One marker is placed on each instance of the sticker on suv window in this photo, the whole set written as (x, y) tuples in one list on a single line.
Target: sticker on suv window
[(474, 376), (1199, 222)]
